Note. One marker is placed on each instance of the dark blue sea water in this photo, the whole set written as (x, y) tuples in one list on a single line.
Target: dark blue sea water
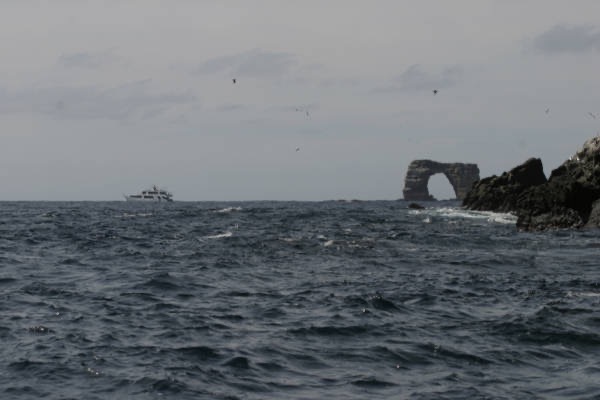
[(293, 300)]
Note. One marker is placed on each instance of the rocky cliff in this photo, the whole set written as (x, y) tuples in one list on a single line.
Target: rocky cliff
[(500, 193), (568, 199)]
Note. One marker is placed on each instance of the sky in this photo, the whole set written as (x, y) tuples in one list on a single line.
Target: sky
[(333, 99)]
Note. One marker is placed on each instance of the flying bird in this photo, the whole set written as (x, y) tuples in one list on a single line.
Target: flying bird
[(297, 148), (234, 80), (592, 115), (434, 92), (303, 110), (547, 110)]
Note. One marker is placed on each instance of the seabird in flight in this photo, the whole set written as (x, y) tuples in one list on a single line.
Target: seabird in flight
[(233, 80), (547, 110), (592, 115), (434, 92)]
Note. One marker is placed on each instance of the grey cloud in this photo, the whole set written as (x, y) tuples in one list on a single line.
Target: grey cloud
[(88, 102), (415, 78), (568, 39), (254, 63), (344, 82), (298, 107), (86, 60), (230, 107), (312, 69)]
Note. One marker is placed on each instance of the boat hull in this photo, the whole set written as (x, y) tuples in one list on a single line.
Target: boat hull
[(151, 195), (145, 200)]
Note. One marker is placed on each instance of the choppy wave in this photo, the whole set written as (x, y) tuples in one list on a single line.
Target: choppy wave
[(272, 300), (228, 209), (460, 213), (218, 235)]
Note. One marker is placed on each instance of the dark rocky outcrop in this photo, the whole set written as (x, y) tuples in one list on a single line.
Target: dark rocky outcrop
[(568, 199), (461, 177), (594, 219), (500, 193)]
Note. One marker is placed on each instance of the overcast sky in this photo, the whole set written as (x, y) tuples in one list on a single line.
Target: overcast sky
[(101, 98)]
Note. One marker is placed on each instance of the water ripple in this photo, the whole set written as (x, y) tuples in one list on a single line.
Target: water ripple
[(271, 300)]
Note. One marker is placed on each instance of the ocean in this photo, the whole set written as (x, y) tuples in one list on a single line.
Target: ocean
[(293, 300)]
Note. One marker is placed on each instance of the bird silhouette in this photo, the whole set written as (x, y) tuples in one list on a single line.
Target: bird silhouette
[(297, 148), (435, 92), (592, 115), (234, 80), (547, 110)]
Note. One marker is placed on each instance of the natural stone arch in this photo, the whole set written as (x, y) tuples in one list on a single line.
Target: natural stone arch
[(461, 176)]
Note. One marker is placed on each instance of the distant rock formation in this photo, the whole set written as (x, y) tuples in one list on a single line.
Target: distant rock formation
[(461, 177), (568, 199)]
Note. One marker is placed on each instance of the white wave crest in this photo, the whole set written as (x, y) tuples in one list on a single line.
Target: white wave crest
[(449, 212), (134, 215), (218, 236), (228, 209), (582, 294), (289, 239)]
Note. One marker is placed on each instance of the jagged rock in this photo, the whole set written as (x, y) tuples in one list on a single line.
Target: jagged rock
[(567, 200), (557, 217), (594, 219), (461, 176), (500, 193)]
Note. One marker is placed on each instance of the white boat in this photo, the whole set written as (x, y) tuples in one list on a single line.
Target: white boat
[(154, 194)]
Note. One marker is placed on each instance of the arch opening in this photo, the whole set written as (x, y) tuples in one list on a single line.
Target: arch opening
[(440, 188), (459, 176)]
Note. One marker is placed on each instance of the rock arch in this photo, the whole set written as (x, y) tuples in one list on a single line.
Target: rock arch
[(461, 176)]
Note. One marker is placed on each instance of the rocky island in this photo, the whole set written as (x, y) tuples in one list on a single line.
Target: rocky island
[(460, 175), (569, 198)]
